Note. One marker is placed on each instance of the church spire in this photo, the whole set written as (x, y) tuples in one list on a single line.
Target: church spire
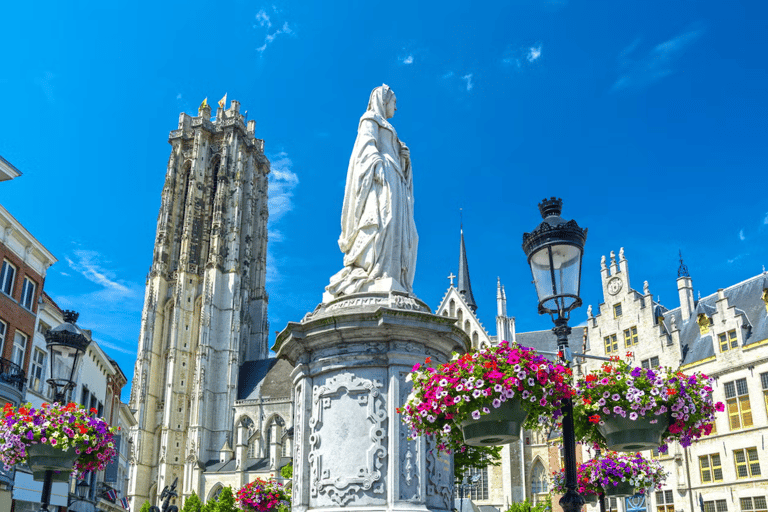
[(465, 287)]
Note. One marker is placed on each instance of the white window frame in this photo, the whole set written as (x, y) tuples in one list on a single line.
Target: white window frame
[(28, 290), (17, 356), (3, 332), (37, 369), (7, 278)]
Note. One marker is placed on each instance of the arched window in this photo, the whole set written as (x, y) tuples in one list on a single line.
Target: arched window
[(460, 316), (475, 339), (467, 326), (538, 478), (214, 494), (452, 307), (286, 452), (253, 447)]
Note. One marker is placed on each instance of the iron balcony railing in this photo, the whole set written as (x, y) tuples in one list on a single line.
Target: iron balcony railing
[(12, 374)]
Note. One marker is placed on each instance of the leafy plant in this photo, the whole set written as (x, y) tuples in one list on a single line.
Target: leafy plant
[(261, 495), (469, 385), (226, 501), (287, 471), (65, 427), (527, 506), (192, 503), (619, 389), (610, 469)]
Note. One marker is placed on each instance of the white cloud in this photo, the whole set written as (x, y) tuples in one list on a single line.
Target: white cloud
[(108, 305), (88, 263), (282, 182), (765, 220), (263, 19), (408, 59), (658, 63), (741, 235), (286, 29), (452, 78), (534, 52), (178, 96), (468, 79), (737, 258)]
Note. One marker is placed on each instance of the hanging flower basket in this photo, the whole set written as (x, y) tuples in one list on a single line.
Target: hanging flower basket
[(620, 490), (625, 435), (59, 438), (500, 426), (627, 408), (261, 495), (459, 396), (614, 474), (44, 457)]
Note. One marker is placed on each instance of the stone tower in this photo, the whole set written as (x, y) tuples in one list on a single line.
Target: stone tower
[(205, 305)]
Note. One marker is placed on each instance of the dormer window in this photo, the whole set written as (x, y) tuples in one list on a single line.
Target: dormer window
[(728, 340), (704, 322), (617, 310)]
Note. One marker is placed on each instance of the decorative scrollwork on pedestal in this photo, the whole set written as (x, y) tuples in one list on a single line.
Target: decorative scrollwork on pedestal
[(346, 391)]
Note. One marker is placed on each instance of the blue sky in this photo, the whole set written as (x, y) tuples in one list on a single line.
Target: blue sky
[(649, 118)]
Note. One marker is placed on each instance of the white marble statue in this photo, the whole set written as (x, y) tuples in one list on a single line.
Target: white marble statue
[(378, 234)]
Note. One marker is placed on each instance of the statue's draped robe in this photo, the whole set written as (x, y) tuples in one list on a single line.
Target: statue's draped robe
[(378, 234)]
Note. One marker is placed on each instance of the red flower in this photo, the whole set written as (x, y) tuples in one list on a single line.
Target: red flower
[(671, 391), (595, 418), (428, 360)]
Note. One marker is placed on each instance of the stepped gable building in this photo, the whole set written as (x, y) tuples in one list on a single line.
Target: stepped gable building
[(723, 335), (205, 307)]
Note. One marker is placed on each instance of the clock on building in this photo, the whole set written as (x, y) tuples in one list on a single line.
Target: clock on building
[(614, 285)]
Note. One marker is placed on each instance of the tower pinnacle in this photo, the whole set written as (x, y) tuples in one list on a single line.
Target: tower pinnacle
[(465, 287)]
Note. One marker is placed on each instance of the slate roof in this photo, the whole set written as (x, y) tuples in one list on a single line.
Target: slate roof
[(546, 340), (214, 466), (268, 378), (746, 297)]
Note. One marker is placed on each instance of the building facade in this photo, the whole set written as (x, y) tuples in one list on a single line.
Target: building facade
[(205, 308), (24, 262), (723, 335)]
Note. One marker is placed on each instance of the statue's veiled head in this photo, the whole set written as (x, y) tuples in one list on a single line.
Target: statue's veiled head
[(383, 101)]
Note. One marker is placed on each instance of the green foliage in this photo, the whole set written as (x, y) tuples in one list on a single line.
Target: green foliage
[(226, 501), (210, 506), (144, 507), (526, 506), (287, 470), (192, 504), (474, 457)]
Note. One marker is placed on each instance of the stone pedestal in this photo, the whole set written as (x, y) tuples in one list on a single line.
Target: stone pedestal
[(351, 449)]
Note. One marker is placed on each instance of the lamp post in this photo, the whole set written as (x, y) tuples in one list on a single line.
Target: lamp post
[(66, 343), (554, 250)]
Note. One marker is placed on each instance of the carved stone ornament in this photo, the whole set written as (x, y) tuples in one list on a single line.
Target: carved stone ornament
[(439, 481), (614, 285), (353, 410)]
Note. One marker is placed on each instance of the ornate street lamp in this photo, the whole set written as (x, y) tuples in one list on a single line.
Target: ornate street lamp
[(554, 250), (66, 343), (81, 490)]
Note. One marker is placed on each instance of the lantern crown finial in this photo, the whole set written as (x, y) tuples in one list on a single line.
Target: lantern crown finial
[(551, 207), (70, 316)]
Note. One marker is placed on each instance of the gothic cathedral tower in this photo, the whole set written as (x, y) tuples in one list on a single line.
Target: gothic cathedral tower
[(205, 305)]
